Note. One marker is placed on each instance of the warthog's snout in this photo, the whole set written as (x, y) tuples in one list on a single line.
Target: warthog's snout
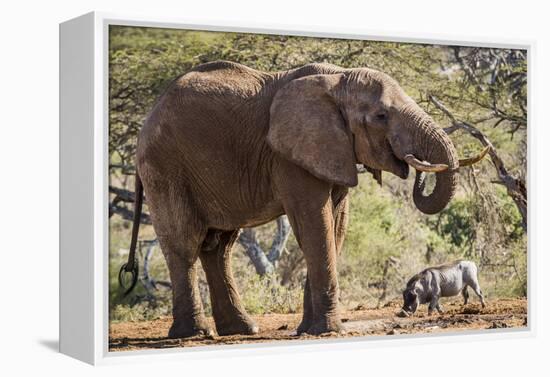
[(403, 313)]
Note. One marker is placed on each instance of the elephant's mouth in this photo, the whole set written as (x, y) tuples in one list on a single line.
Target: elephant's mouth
[(399, 167), (390, 163), (402, 168)]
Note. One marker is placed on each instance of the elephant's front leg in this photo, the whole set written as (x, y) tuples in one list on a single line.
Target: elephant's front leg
[(313, 225), (340, 212), (320, 253), (307, 315), (308, 203)]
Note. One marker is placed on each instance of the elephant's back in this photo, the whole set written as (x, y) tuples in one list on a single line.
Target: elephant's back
[(212, 99), (207, 133), (223, 78), (220, 96)]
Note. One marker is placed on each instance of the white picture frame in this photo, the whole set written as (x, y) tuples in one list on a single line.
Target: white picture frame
[(84, 179)]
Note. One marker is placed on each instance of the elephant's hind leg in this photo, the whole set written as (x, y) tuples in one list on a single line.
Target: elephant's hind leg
[(181, 257), (180, 234), (228, 311)]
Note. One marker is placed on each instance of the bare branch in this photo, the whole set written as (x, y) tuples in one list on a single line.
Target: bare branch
[(127, 214), (122, 194), (146, 279), (265, 264), (515, 187), (248, 240), (279, 240)]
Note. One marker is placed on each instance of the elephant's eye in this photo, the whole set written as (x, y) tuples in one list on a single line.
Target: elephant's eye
[(382, 116)]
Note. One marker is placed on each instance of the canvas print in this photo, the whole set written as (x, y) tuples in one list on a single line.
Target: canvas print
[(268, 188)]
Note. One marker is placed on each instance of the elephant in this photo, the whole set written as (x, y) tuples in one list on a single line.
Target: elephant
[(227, 146)]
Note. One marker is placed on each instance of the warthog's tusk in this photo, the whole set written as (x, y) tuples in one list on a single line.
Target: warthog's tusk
[(473, 160), (403, 313), (423, 165)]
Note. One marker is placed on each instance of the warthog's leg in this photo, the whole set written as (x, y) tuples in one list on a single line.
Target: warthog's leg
[(471, 280), (465, 294), (474, 284), (434, 304), (477, 291)]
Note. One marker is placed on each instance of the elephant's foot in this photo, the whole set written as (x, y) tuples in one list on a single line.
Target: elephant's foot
[(323, 326), (240, 325), (181, 329), (304, 326)]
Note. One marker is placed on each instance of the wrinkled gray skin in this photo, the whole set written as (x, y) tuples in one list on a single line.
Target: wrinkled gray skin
[(447, 280)]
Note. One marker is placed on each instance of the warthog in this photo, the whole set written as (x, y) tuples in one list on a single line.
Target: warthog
[(442, 281)]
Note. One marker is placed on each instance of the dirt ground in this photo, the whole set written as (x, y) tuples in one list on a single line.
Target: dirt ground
[(502, 313)]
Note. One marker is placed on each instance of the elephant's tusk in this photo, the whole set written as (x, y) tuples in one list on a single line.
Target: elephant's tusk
[(423, 165), (473, 160)]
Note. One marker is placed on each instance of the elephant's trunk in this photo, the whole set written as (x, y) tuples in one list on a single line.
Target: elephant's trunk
[(441, 195), (432, 145), (436, 147)]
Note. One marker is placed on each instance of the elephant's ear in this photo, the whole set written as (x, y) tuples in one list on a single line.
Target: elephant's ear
[(307, 128)]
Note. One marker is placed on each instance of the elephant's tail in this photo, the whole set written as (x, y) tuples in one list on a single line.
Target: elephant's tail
[(132, 265)]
